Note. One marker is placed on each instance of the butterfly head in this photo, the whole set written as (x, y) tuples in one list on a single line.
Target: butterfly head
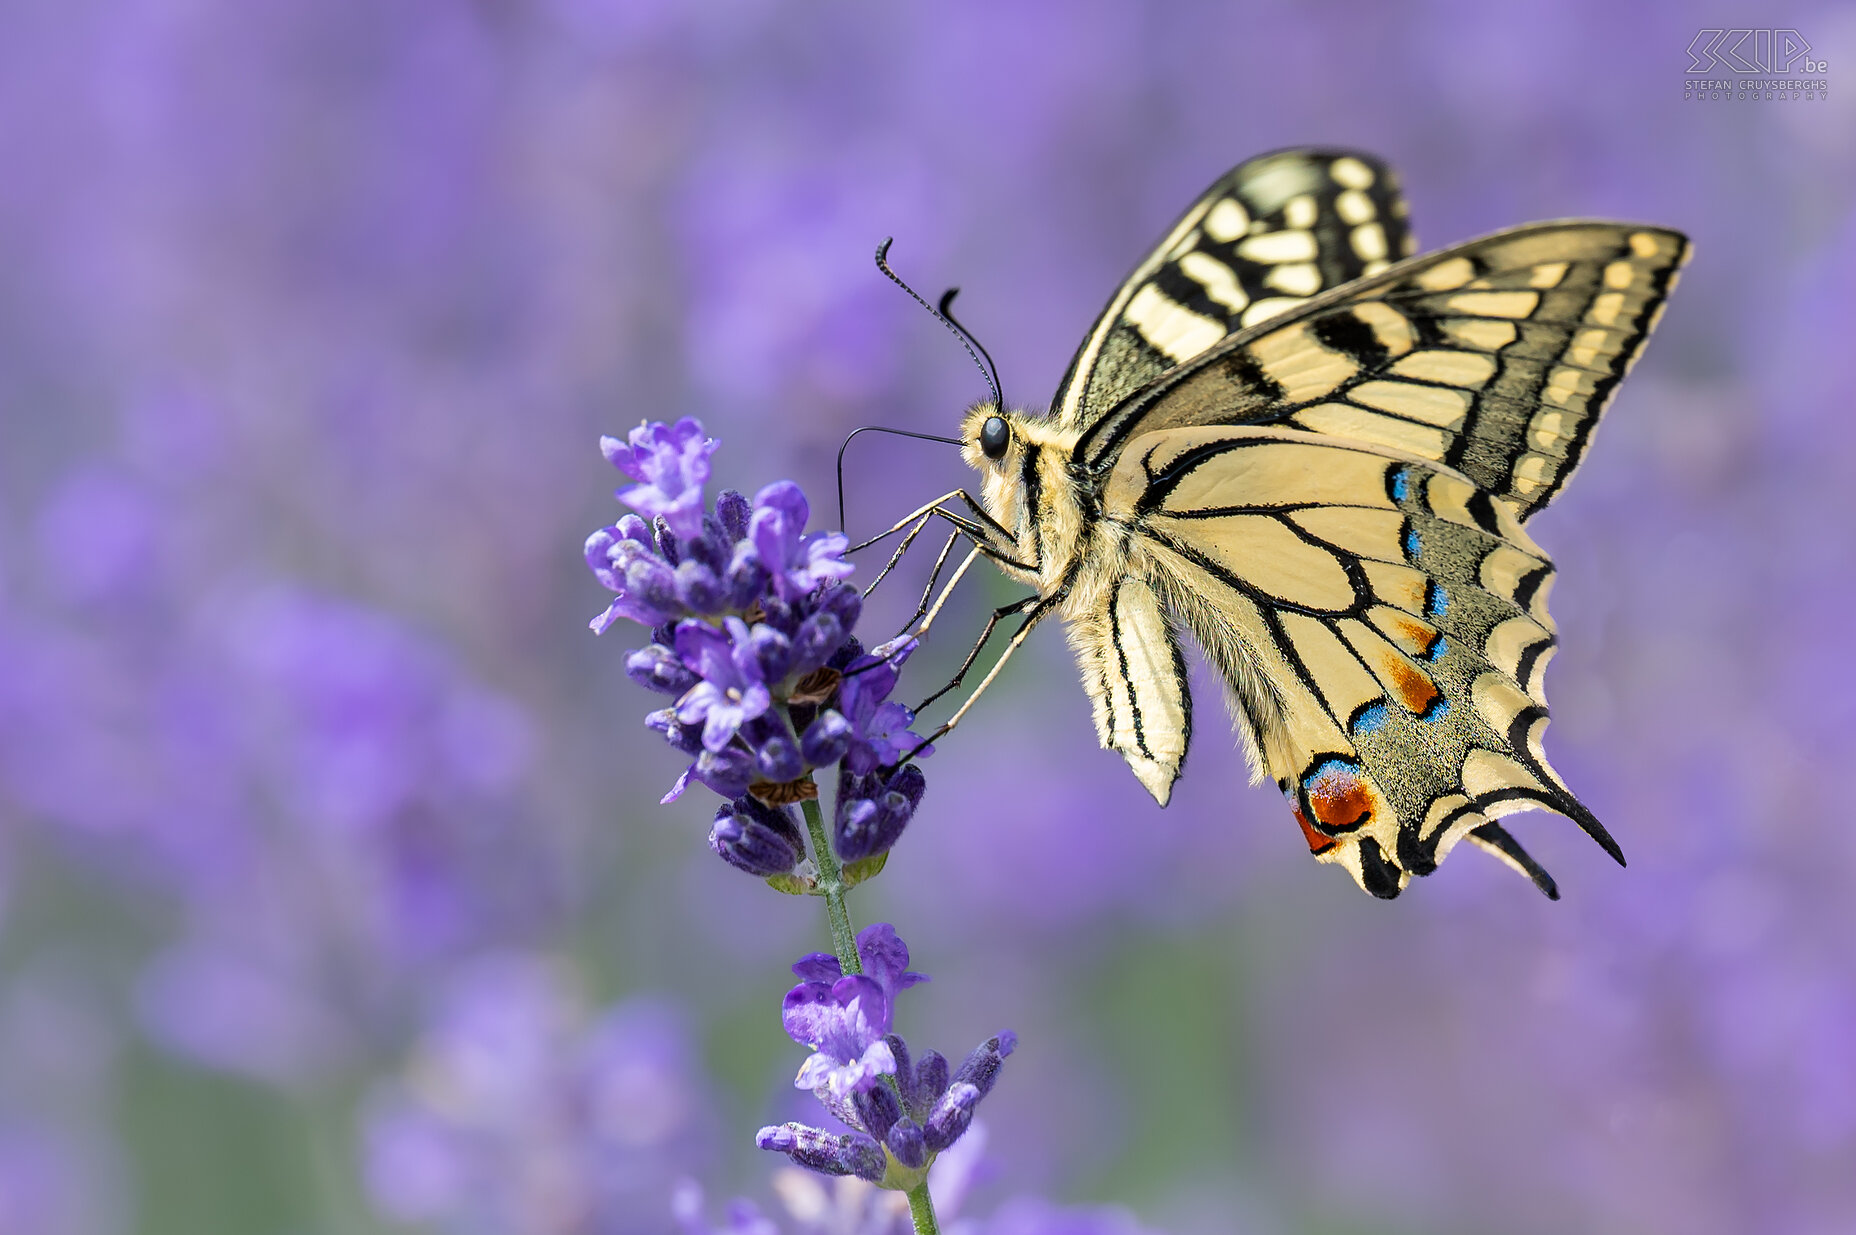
[(1023, 462)]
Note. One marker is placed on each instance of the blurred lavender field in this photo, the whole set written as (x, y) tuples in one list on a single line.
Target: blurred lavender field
[(334, 891)]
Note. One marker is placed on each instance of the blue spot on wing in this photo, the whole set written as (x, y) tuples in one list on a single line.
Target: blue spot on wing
[(1401, 486), (1412, 543), (1371, 720), (1437, 649), (1440, 708), (1436, 600)]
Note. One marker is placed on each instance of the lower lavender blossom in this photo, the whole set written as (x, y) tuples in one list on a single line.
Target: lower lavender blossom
[(901, 1115)]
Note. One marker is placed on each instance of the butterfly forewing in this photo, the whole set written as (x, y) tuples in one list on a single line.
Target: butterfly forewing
[(1267, 236), (1495, 358)]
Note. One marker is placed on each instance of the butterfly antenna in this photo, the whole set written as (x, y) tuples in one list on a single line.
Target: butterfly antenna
[(947, 312), (882, 263), (926, 437)]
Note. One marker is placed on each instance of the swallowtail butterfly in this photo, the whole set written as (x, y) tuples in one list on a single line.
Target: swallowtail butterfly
[(1317, 455)]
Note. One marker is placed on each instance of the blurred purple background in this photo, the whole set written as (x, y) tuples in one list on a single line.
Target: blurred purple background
[(334, 895)]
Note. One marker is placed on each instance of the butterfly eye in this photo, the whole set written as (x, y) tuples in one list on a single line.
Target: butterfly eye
[(994, 437)]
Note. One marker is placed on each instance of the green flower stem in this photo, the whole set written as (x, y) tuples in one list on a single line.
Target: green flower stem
[(831, 887), (921, 1209), (844, 941)]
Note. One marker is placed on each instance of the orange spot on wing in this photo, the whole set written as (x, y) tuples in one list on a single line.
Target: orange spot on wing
[(1339, 798), (1416, 691), (1317, 843), (1412, 634)]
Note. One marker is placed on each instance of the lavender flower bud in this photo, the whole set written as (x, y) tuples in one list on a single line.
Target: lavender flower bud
[(650, 584), (657, 668), (856, 829), (905, 1070), (750, 845), (728, 771), (869, 819), (686, 738), (631, 527), (818, 637), (699, 587), (877, 1110), (847, 652), (981, 1067), (911, 783), (778, 759), (773, 651), (713, 548), (826, 739), (909, 1143), (850, 1154), (745, 578), (843, 602), (778, 818), (951, 1116), (732, 511), (780, 615), (930, 1084), (668, 546)]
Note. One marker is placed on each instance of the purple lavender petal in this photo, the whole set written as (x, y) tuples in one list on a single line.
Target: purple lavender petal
[(672, 464), (886, 959), (844, 1024), (818, 967)]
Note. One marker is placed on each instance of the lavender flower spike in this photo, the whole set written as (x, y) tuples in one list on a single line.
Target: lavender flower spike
[(671, 464)]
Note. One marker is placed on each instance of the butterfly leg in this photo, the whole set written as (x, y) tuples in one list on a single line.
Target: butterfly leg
[(1043, 607), (926, 510), (992, 623), (921, 525), (930, 613), (934, 577)]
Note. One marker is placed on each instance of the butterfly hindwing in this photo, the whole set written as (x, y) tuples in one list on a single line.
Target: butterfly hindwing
[(1381, 622), (1135, 673), (1494, 358), (1268, 235)]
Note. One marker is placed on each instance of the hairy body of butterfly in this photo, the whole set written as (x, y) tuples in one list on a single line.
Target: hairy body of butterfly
[(1319, 463)]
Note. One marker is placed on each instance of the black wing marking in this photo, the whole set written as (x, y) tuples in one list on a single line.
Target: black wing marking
[(1268, 235)]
